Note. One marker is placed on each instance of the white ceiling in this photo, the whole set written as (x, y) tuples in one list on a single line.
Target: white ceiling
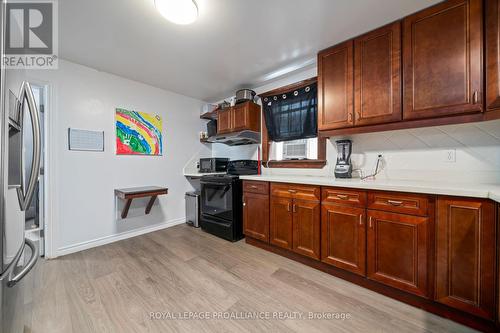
[(233, 44)]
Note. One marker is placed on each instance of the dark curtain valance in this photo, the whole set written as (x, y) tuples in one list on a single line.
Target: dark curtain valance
[(292, 115)]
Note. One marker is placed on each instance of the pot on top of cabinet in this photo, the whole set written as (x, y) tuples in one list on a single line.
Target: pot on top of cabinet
[(245, 95)]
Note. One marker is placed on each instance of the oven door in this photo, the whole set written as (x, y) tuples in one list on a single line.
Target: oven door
[(217, 199)]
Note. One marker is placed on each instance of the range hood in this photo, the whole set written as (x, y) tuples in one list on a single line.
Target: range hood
[(236, 138)]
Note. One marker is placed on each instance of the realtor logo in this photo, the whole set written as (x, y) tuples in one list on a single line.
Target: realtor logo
[(31, 35)]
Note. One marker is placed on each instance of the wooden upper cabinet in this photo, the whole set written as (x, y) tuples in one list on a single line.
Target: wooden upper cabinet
[(306, 228), (343, 237), (240, 118), (442, 60), (492, 55), (244, 116), (377, 76), (397, 251), (256, 216), (465, 255), (224, 121), (335, 87)]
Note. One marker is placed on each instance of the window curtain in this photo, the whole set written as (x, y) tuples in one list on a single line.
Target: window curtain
[(292, 115)]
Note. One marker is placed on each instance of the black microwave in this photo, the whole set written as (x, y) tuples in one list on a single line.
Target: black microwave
[(214, 164)]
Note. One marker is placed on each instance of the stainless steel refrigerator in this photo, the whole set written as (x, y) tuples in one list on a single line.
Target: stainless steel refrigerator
[(18, 255)]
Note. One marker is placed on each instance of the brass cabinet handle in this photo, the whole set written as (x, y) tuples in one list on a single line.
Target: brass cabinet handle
[(394, 202), (360, 219), (253, 186), (292, 191), (288, 207), (342, 196), (370, 223), (475, 98), (294, 208)]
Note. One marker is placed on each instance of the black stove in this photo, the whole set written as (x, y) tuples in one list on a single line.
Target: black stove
[(221, 200)]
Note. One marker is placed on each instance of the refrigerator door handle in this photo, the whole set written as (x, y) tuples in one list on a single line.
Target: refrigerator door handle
[(27, 93), (26, 269)]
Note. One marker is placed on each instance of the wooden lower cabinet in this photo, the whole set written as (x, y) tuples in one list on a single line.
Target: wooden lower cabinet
[(295, 218), (465, 255), (397, 251), (256, 216), (439, 248), (343, 237), (306, 228), (281, 222)]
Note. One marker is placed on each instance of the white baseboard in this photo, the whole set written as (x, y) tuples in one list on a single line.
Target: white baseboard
[(117, 237)]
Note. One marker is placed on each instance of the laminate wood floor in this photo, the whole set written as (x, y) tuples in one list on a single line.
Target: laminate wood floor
[(181, 270)]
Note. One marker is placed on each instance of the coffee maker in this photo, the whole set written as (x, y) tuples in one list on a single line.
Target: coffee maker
[(343, 168)]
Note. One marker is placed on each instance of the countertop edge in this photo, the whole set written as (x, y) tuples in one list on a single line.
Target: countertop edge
[(480, 192)]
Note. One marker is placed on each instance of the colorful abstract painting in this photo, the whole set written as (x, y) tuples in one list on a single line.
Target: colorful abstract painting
[(138, 133)]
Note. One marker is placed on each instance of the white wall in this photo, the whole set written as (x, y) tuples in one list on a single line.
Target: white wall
[(83, 183), (415, 154)]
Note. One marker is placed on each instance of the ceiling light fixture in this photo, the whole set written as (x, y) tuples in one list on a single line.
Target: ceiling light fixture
[(178, 11)]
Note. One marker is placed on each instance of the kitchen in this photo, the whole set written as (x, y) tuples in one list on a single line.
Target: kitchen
[(349, 181)]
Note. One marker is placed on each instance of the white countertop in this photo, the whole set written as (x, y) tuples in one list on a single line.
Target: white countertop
[(491, 191)]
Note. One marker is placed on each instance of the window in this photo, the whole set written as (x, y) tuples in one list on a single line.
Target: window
[(302, 149), (290, 131)]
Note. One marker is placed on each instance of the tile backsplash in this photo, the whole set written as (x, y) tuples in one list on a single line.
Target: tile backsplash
[(422, 154), (413, 154)]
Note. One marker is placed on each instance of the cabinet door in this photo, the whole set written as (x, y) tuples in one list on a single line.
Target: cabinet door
[(239, 117), (442, 60), (377, 76), (465, 255), (398, 251), (492, 54), (281, 222), (224, 121), (256, 216), (335, 87), (306, 228), (343, 237)]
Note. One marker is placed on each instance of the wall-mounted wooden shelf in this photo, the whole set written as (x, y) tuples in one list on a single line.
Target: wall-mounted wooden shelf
[(139, 192)]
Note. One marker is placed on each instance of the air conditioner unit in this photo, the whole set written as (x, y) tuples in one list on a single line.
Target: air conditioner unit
[(296, 149)]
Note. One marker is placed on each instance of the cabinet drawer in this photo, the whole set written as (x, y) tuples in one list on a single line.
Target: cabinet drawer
[(256, 187), (413, 204), (296, 191), (343, 197)]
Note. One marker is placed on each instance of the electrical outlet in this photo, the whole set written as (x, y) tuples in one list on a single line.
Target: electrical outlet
[(451, 156)]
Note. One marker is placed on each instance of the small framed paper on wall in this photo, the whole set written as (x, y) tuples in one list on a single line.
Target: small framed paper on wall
[(85, 140)]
